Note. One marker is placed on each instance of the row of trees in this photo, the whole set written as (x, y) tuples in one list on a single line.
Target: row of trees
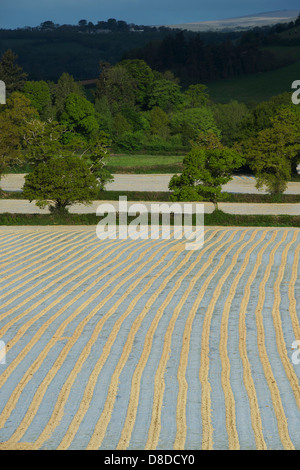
[(272, 155), (111, 25), (193, 61), (58, 131), (48, 50), (52, 129)]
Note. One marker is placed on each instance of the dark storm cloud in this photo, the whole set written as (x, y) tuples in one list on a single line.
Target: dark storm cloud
[(18, 13)]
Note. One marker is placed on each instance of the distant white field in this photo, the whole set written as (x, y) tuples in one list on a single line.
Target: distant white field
[(244, 22)]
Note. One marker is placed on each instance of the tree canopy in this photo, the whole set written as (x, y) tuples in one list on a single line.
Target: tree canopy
[(204, 173), (13, 124), (275, 151), (11, 73), (61, 182)]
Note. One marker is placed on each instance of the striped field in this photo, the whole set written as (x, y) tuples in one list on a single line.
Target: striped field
[(123, 344)]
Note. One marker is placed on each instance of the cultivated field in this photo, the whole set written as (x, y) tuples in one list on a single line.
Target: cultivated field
[(123, 344)]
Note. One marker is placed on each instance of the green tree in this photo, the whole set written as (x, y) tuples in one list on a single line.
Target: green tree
[(275, 151), (261, 116), (14, 120), (196, 96), (204, 173), (40, 96), (287, 122), (61, 182), (96, 154), (207, 140), (65, 86), (79, 116), (191, 121), (104, 115), (82, 23), (47, 25), (121, 125), (135, 118), (269, 159), (159, 123), (45, 140), (143, 78), (11, 73), (166, 95), (118, 86), (228, 118)]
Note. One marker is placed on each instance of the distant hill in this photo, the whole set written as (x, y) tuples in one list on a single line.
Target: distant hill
[(242, 22)]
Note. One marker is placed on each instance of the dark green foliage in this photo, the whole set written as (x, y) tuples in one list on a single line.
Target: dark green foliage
[(193, 61), (60, 183), (11, 73), (66, 85), (191, 121), (196, 96), (43, 140), (204, 173), (143, 78), (261, 116), (79, 116), (95, 154), (47, 51), (166, 95), (39, 95), (13, 125), (159, 123), (275, 150), (216, 218), (117, 86), (228, 118)]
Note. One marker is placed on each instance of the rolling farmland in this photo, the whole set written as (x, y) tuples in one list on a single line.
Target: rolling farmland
[(123, 344)]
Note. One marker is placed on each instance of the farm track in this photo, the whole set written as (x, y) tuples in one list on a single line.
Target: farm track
[(123, 344)]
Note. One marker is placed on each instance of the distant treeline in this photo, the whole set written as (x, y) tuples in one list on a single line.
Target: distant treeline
[(48, 50), (193, 60)]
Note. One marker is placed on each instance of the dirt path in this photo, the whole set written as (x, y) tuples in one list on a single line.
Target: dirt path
[(239, 184)]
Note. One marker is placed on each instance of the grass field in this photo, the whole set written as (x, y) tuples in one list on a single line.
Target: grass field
[(291, 53), (127, 163), (215, 218), (257, 87), (123, 344), (145, 164), (124, 160), (108, 195)]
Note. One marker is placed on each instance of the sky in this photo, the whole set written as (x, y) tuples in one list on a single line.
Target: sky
[(20, 13)]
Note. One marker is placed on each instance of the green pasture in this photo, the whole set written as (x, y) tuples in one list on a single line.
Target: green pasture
[(256, 87), (145, 164), (216, 218)]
